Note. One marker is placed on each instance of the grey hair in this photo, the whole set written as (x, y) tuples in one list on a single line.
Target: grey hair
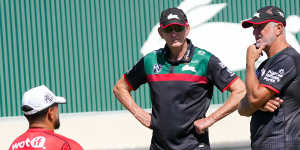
[(273, 24)]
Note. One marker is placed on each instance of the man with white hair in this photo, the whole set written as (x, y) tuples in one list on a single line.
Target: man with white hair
[(275, 121)]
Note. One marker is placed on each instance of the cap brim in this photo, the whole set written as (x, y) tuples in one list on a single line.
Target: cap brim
[(60, 100), (175, 22), (251, 22)]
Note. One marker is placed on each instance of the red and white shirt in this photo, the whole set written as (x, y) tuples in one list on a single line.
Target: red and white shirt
[(43, 139)]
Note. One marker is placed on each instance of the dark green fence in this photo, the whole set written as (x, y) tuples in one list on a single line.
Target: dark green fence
[(80, 48)]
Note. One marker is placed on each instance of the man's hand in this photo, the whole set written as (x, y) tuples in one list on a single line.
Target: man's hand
[(143, 117), (253, 53), (272, 105), (122, 93), (202, 124)]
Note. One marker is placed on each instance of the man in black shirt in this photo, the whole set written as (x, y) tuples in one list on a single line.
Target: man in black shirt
[(181, 77), (275, 124)]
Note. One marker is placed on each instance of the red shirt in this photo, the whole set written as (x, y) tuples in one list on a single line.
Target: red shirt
[(43, 139)]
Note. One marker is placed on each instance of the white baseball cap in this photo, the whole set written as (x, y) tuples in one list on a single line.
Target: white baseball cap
[(38, 99)]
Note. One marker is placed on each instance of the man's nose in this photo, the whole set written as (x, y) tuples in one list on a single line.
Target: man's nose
[(173, 33)]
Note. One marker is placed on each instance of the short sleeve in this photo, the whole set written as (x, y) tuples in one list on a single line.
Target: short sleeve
[(71, 145), (219, 74), (279, 74), (136, 76)]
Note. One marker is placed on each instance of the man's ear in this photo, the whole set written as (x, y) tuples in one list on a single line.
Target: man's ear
[(160, 32), (187, 30), (279, 29), (51, 113)]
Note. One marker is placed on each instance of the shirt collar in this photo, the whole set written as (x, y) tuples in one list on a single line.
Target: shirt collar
[(187, 56), (40, 130)]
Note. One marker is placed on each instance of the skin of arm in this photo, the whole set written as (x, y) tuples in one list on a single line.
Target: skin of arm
[(122, 93), (247, 109), (257, 95), (272, 105), (238, 91)]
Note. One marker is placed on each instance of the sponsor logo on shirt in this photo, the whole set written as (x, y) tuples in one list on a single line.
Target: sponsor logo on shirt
[(272, 76), (229, 71), (281, 71), (222, 65), (36, 142), (186, 57), (201, 52), (263, 71), (260, 73), (157, 68), (187, 67)]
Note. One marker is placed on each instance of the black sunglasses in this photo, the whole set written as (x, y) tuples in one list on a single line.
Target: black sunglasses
[(172, 28)]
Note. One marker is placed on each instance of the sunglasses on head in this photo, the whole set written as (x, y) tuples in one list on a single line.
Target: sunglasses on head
[(172, 28)]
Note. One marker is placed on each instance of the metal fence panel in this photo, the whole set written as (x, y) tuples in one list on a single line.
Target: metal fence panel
[(80, 48)]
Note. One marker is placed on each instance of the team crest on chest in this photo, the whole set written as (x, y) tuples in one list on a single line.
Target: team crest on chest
[(201, 52), (157, 68), (190, 68)]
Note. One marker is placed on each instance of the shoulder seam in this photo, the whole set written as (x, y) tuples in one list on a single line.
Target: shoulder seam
[(65, 141)]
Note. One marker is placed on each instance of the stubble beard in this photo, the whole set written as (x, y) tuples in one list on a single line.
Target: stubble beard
[(57, 124)]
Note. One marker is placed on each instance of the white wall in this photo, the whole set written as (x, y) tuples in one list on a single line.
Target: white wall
[(120, 130)]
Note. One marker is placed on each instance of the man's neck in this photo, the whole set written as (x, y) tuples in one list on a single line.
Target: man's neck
[(177, 53), (40, 125), (277, 47)]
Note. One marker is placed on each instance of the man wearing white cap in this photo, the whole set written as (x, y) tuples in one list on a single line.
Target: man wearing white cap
[(40, 107)]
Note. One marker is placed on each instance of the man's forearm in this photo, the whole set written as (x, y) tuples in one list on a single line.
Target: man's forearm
[(237, 93), (252, 86), (257, 95), (245, 107), (122, 93), (140, 114), (252, 82)]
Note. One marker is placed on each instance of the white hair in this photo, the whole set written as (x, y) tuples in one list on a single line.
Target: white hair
[(273, 24)]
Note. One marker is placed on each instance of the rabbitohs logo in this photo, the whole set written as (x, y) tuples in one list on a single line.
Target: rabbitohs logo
[(228, 41)]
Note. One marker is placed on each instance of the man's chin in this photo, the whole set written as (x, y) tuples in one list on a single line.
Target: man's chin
[(176, 44)]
